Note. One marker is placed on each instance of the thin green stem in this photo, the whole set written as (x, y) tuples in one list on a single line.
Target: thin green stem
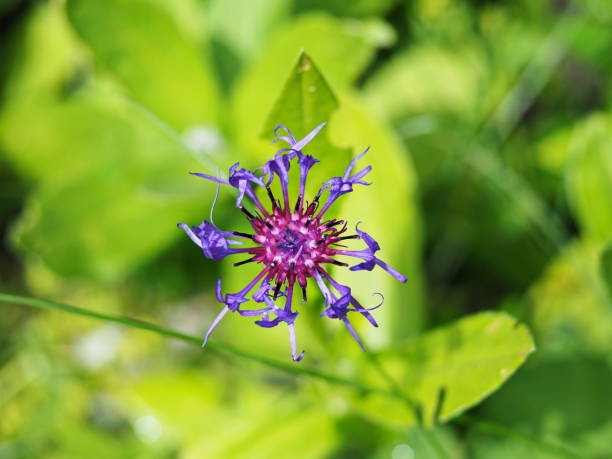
[(212, 345)]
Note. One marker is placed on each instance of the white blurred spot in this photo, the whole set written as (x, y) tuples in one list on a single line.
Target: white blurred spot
[(99, 347), (148, 428), (402, 452), (203, 140)]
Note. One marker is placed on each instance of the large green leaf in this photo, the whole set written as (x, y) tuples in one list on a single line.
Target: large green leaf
[(388, 210), (452, 368), (143, 47), (117, 203)]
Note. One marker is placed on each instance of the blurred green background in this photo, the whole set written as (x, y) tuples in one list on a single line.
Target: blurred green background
[(490, 126)]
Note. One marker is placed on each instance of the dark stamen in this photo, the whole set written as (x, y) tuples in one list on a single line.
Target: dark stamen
[(238, 233), (337, 263), (320, 241), (291, 267), (249, 215), (332, 223), (312, 207), (244, 261), (298, 203), (303, 294), (271, 196), (354, 236), (277, 290)]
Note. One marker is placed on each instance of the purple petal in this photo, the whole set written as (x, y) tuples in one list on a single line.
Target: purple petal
[(214, 324), (218, 291), (192, 236), (293, 342), (210, 177), (352, 330), (311, 135), (349, 169), (400, 277), (369, 240), (365, 266), (289, 138), (214, 242), (268, 323)]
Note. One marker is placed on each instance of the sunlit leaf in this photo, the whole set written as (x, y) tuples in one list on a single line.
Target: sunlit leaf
[(388, 210), (139, 43), (116, 201), (452, 368), (305, 101)]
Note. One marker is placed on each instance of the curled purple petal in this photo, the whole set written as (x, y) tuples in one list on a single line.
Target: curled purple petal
[(337, 186), (192, 236), (369, 240)]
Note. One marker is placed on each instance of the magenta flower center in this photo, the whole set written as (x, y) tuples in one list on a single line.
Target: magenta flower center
[(294, 244)]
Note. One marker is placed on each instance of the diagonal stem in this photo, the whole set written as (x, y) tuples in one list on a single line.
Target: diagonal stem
[(213, 345)]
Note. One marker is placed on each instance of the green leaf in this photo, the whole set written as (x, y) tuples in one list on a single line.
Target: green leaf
[(589, 176), (570, 310), (118, 186), (242, 26), (452, 368), (388, 210), (143, 47), (354, 43), (305, 101), (428, 78)]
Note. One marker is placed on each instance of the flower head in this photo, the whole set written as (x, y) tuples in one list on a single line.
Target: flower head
[(292, 243)]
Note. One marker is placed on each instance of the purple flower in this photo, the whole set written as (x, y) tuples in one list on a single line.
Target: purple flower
[(292, 243)]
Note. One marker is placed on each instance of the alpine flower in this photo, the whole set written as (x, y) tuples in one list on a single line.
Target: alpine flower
[(292, 243)]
